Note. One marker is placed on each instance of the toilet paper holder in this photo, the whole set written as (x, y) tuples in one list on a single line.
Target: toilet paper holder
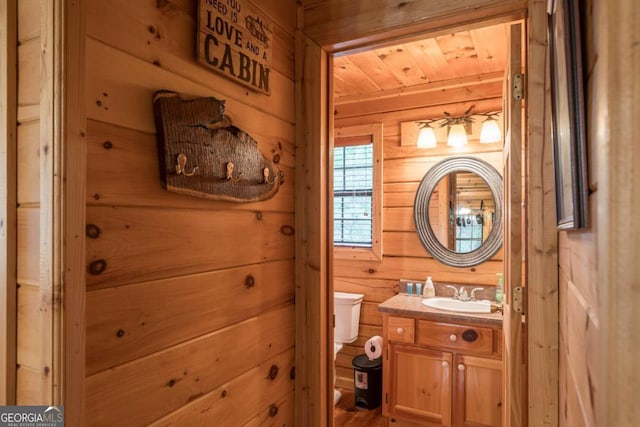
[(373, 347)]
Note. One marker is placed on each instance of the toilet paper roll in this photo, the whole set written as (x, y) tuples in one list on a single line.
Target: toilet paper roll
[(373, 347)]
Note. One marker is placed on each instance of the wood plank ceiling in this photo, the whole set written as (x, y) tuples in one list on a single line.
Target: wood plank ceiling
[(413, 67)]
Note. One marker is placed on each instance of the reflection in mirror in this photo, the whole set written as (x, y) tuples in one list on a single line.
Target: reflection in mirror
[(466, 211), (458, 211)]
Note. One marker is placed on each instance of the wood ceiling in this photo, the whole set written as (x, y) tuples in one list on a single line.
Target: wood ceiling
[(474, 55)]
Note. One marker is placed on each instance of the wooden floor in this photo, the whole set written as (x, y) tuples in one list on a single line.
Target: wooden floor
[(345, 413)]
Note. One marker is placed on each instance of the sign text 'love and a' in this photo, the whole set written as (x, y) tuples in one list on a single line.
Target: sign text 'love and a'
[(236, 40)]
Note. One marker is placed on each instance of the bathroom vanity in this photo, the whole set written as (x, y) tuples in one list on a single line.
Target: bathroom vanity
[(440, 368)]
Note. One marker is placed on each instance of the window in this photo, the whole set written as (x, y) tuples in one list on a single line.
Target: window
[(357, 187), (353, 195), (468, 232)]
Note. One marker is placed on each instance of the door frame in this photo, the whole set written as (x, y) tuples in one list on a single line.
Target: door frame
[(8, 196), (313, 136)]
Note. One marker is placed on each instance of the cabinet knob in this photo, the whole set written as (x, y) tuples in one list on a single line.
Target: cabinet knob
[(461, 367), (453, 338), (445, 364), (400, 331)]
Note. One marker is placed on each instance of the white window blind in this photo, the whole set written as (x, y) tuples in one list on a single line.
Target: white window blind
[(353, 195), (468, 232)]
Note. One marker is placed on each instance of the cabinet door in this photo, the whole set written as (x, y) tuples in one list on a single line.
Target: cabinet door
[(478, 392), (419, 384)]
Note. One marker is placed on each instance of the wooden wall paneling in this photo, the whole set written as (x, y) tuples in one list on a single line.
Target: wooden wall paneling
[(8, 199), (128, 322), (343, 24), (166, 39), (375, 290), (50, 224), (29, 27), (284, 413), (398, 219), (284, 20), (126, 99), (580, 329), (313, 335), (28, 386), (582, 334), (395, 268), (369, 314), (29, 349), (28, 113), (414, 169), (72, 217), (149, 388), (395, 196), (577, 256), (445, 96), (193, 255), (618, 178), (175, 242), (28, 244), (406, 244), (403, 244), (29, 66), (393, 150), (382, 74), (125, 173), (418, 114), (240, 400), (542, 239), (27, 161)]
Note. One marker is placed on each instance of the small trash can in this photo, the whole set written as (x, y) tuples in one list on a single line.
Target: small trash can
[(367, 376)]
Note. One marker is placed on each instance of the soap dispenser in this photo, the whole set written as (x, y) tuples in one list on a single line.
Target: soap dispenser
[(429, 291), (499, 288)]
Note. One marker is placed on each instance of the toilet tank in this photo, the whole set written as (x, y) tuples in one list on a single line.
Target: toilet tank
[(346, 307)]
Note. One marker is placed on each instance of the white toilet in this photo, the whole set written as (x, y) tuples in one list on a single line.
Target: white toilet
[(346, 307)]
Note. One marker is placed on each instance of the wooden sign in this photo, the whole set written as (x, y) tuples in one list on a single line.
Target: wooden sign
[(236, 40)]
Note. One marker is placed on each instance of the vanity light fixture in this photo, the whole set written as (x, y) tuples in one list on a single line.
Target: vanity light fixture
[(490, 130), (459, 127), (457, 135), (427, 136)]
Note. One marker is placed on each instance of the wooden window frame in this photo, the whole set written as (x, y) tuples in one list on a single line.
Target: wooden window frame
[(374, 253)]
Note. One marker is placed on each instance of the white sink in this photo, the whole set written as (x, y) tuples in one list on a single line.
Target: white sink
[(450, 304)]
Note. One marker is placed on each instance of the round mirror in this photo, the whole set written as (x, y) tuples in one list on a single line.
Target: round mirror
[(458, 211)]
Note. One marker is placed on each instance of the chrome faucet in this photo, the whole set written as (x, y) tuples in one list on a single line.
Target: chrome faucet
[(463, 295), (473, 293), (455, 291)]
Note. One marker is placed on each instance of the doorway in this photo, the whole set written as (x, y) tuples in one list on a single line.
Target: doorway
[(398, 86), (330, 29)]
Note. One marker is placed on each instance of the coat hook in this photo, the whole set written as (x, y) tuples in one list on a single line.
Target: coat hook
[(180, 167), (230, 176), (266, 172)]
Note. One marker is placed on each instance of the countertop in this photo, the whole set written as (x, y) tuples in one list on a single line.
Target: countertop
[(412, 306)]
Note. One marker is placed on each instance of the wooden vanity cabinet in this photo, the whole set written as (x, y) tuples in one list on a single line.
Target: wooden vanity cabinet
[(441, 374), (478, 391)]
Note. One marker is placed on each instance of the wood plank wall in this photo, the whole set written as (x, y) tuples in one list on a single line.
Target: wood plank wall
[(403, 256), (580, 331), (175, 336), (8, 201), (32, 382)]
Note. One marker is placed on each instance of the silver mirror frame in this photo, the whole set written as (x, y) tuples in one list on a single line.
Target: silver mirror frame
[(421, 211)]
